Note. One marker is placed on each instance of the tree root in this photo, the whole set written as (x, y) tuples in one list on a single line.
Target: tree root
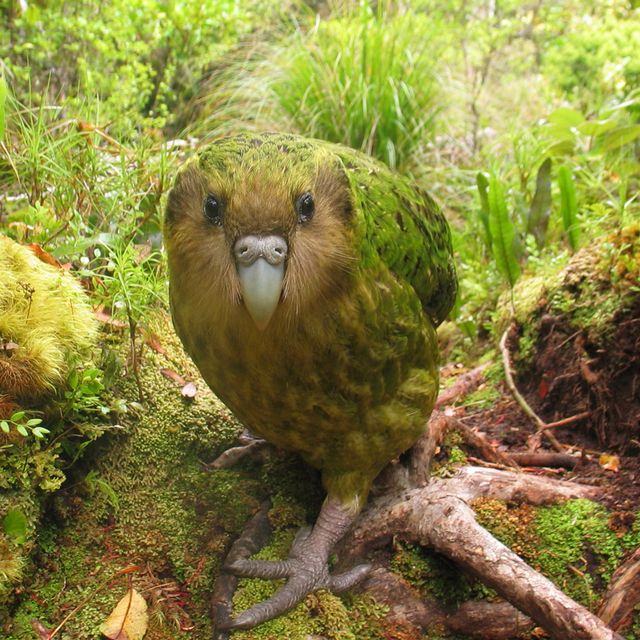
[(438, 516), (623, 594), (479, 619), (542, 427), (252, 539)]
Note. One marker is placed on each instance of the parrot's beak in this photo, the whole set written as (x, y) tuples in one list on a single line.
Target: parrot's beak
[(260, 261)]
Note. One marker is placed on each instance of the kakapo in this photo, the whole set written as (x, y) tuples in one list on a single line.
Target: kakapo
[(306, 282)]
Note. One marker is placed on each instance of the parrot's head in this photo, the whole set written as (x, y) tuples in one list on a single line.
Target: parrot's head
[(258, 227)]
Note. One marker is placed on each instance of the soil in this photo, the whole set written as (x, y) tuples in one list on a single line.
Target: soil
[(571, 375)]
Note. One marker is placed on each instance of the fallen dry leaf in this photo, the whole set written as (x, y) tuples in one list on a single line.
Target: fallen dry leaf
[(154, 342), (129, 619), (44, 256), (173, 376), (610, 462), (105, 318)]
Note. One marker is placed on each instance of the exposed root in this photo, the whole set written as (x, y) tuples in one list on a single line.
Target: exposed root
[(439, 516), (542, 426), (253, 538), (436, 513), (479, 619), (563, 460), (623, 594)]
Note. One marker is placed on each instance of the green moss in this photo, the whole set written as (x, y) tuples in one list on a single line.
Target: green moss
[(571, 543), (578, 549), (321, 613), (435, 577), (451, 456)]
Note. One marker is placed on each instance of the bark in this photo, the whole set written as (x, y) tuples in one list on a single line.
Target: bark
[(438, 516), (479, 619), (623, 594), (253, 538)]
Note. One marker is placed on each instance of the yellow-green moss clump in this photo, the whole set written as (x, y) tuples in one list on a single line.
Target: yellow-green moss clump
[(45, 321), (46, 327)]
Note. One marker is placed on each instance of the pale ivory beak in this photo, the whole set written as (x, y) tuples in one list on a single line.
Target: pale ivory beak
[(260, 261)]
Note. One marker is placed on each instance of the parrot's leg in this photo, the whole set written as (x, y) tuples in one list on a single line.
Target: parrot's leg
[(306, 568)]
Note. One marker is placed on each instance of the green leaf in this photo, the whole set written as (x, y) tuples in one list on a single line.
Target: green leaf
[(40, 432), (540, 210), (3, 106), (74, 379), (566, 117), (22, 430), (483, 186), (620, 136), (503, 234), (32, 422), (4, 425), (596, 127), (568, 206), (17, 416), (15, 525)]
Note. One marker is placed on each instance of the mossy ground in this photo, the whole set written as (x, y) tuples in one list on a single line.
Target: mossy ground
[(573, 543), (150, 502), (143, 497)]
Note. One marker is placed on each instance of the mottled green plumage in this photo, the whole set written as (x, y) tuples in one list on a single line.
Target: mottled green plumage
[(346, 371)]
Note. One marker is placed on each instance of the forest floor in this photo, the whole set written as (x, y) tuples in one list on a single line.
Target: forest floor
[(564, 386)]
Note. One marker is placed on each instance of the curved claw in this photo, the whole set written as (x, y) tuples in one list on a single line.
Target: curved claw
[(280, 602), (307, 567)]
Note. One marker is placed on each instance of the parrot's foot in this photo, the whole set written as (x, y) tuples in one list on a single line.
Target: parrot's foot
[(306, 568)]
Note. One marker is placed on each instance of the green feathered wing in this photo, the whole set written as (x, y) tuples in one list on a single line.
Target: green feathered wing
[(401, 225)]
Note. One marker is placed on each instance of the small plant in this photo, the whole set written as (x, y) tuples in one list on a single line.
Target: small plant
[(20, 422), (84, 393), (501, 233), (129, 283), (568, 206)]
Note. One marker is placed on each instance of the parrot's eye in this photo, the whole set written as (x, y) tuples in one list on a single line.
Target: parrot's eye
[(305, 207), (213, 209)]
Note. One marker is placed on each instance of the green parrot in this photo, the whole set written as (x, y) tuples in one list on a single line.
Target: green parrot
[(306, 282)]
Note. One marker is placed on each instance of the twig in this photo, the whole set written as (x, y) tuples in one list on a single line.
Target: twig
[(524, 405), (463, 385), (526, 459), (479, 441), (565, 421)]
